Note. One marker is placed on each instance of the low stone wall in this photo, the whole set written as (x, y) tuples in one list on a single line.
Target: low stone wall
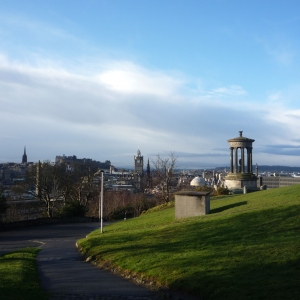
[(45, 221), (191, 204)]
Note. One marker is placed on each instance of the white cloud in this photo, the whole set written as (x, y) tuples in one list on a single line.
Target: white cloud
[(282, 110), (122, 106), (126, 77), (287, 119), (233, 90)]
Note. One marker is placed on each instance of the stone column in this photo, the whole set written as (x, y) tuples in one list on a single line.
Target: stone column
[(231, 160), (250, 160), (242, 160), (236, 160)]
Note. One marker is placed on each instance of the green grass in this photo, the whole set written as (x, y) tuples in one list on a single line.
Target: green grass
[(248, 247), (18, 276)]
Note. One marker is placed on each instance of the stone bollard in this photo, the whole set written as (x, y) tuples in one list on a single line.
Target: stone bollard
[(245, 189), (191, 204)]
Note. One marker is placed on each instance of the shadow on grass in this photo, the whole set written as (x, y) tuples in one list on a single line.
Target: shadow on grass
[(220, 209), (247, 256), (270, 281)]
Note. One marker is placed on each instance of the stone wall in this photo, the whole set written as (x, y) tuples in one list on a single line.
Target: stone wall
[(278, 181)]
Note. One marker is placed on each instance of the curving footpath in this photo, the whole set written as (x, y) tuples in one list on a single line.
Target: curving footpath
[(63, 273)]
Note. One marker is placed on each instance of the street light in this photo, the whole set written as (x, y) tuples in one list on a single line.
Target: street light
[(101, 204)]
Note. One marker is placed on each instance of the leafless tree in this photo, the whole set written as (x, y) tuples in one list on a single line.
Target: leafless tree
[(138, 203), (115, 200), (84, 188), (48, 186), (163, 174), (3, 204)]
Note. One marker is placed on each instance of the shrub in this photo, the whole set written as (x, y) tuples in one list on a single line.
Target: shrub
[(208, 189), (73, 209), (222, 191)]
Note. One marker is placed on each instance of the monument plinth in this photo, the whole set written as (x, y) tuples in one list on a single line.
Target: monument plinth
[(191, 204)]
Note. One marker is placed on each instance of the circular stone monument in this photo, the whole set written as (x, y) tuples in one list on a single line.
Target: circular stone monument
[(240, 174), (197, 181)]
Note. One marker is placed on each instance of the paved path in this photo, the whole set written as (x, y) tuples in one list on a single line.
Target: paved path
[(62, 271)]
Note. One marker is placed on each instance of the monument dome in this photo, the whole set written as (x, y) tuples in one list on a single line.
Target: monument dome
[(197, 181)]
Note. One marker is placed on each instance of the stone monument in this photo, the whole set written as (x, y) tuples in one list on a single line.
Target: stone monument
[(191, 204), (240, 174)]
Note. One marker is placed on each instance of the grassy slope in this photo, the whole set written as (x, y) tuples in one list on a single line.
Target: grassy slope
[(248, 247), (18, 276)]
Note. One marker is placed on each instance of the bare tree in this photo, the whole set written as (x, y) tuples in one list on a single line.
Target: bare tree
[(48, 186), (3, 204), (58, 187), (85, 188), (163, 174), (138, 203), (115, 201)]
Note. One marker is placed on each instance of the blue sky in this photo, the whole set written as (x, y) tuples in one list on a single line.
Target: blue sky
[(100, 79)]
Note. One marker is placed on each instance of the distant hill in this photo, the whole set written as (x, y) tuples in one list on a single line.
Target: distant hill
[(272, 169)]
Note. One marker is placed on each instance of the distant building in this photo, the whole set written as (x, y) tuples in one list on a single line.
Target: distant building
[(271, 182), (24, 157), (139, 163), (71, 160), (138, 171), (12, 173), (120, 179)]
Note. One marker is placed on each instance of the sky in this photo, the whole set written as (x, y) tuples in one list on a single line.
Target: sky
[(101, 79)]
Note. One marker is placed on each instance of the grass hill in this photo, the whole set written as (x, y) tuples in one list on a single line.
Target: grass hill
[(248, 247)]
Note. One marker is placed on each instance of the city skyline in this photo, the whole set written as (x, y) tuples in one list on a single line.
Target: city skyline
[(192, 166), (103, 79)]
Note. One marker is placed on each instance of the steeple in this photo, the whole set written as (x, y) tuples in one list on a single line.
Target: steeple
[(24, 157), (148, 169), (149, 179)]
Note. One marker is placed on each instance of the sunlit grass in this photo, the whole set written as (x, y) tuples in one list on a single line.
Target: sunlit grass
[(248, 247), (18, 276)]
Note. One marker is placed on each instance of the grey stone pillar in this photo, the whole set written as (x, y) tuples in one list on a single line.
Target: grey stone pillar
[(242, 160), (231, 160), (250, 160), (236, 160)]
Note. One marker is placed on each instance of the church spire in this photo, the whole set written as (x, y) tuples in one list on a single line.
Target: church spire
[(148, 169), (24, 157), (149, 180)]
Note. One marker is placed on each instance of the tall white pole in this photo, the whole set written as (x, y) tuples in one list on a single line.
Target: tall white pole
[(101, 211), (100, 202)]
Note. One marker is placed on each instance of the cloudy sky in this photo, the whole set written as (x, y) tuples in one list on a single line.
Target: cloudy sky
[(103, 78)]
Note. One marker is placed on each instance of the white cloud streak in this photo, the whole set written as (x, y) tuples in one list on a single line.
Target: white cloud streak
[(122, 106)]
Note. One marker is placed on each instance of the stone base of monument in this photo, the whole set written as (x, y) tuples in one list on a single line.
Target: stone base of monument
[(191, 204), (239, 180)]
